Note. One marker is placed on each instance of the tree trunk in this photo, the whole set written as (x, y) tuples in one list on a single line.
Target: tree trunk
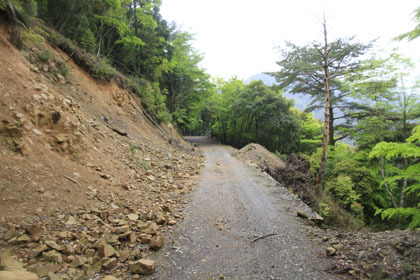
[(331, 140), (388, 190), (404, 134), (326, 115)]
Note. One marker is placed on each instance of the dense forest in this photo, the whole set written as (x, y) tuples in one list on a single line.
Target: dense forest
[(369, 100)]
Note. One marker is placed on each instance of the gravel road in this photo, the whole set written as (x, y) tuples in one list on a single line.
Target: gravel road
[(232, 207)]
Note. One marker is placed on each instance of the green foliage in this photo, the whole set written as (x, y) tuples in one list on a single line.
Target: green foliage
[(104, 71), (3, 4), (64, 70), (335, 216), (342, 190), (409, 176), (31, 39), (413, 34), (45, 56), (253, 113), (87, 41), (151, 97), (412, 213), (324, 210)]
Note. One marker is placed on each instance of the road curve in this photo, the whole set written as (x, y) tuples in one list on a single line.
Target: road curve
[(232, 207)]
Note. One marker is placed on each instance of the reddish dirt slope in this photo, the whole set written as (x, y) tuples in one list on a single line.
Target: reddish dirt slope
[(62, 155)]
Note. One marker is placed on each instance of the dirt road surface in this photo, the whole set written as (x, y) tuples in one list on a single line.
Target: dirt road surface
[(232, 207)]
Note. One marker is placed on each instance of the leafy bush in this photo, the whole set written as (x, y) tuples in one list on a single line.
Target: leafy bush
[(87, 41), (104, 71), (151, 97), (324, 210), (45, 56), (31, 39), (64, 70), (335, 216), (3, 5), (342, 190)]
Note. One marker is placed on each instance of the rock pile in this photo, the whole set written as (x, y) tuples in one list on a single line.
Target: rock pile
[(381, 255), (87, 185), (263, 158)]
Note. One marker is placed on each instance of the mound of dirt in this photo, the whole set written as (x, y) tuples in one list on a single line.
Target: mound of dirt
[(264, 159), (293, 174), (88, 183)]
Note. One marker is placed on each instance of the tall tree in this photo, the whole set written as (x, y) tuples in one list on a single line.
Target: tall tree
[(318, 69)]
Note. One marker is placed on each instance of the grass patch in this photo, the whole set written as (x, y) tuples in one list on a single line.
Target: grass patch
[(31, 40), (64, 70), (45, 56)]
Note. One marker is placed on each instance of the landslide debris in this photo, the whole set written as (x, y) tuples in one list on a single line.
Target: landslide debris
[(374, 255), (293, 173), (263, 158), (88, 185)]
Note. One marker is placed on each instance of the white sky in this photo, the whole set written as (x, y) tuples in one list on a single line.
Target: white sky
[(238, 37)]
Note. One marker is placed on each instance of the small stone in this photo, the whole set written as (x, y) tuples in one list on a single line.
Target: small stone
[(124, 254), (53, 245), (145, 238), (150, 229), (160, 219), (10, 233), (168, 208), (33, 229), (330, 251), (71, 221), (23, 239), (325, 238), (302, 214), (38, 250), (62, 235), (172, 222), (143, 267), (109, 264), (106, 251), (122, 229), (90, 252), (353, 272), (129, 236), (36, 131), (338, 247), (78, 261), (156, 242), (52, 256), (133, 217)]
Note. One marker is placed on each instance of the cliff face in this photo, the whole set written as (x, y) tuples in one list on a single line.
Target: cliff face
[(80, 161)]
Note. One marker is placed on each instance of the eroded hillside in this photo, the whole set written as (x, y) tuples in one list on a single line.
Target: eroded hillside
[(87, 182)]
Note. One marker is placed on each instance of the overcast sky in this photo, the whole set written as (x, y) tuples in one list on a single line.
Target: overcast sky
[(238, 37)]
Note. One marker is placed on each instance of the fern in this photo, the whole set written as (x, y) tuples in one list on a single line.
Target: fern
[(411, 174), (413, 213)]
